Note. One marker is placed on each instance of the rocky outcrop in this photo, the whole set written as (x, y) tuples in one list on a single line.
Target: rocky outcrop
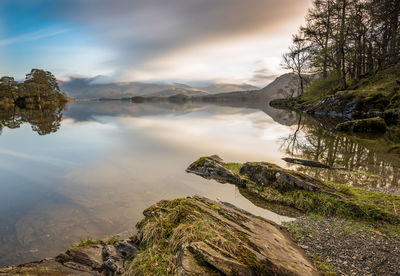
[(266, 184), (212, 167), (260, 173), (204, 237), (95, 259)]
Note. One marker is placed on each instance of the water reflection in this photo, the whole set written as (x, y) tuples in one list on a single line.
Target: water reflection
[(367, 159), (43, 121), (107, 162)]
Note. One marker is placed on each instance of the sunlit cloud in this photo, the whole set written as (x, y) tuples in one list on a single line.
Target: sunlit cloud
[(153, 40)]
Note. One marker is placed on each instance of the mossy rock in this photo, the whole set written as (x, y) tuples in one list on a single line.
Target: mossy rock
[(269, 183), (197, 236), (370, 125)]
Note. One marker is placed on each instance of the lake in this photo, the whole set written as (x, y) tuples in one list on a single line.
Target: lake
[(98, 165)]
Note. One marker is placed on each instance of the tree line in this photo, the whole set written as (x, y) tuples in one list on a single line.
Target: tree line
[(346, 39), (40, 87)]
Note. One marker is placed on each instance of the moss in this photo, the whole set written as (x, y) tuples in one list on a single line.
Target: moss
[(370, 125), (215, 207), (234, 167), (112, 240), (295, 231), (200, 161), (325, 267), (88, 242)]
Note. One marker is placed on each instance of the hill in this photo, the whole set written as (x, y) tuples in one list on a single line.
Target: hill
[(88, 88)]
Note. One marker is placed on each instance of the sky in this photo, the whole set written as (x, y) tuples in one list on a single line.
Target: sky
[(231, 41)]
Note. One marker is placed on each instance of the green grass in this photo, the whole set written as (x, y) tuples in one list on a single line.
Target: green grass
[(324, 266), (321, 88), (380, 90)]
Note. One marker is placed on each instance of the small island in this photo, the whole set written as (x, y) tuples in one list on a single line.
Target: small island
[(38, 100)]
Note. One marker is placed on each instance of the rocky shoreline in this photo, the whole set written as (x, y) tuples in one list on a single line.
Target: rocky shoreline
[(339, 230), (343, 247), (190, 236), (340, 242)]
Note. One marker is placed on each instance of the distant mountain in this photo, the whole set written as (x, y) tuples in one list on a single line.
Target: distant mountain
[(173, 91), (89, 88), (281, 87), (228, 87), (93, 88)]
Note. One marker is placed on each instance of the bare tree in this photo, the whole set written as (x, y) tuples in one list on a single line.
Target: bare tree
[(297, 59)]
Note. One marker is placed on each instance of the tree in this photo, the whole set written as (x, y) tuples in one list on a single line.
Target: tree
[(8, 88), (348, 38), (297, 59), (41, 83)]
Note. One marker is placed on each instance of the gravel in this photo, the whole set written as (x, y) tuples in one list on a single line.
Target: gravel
[(351, 249)]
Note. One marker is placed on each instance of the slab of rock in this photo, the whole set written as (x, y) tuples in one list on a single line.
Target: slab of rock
[(213, 167), (98, 259), (240, 243), (261, 173)]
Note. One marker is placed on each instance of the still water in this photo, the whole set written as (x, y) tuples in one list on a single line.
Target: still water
[(94, 168)]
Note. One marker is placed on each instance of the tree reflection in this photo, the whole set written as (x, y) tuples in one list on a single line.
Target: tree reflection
[(43, 121), (366, 160)]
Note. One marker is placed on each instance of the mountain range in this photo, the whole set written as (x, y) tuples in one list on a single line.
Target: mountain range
[(88, 88)]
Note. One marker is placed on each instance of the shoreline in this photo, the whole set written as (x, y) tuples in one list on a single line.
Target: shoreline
[(325, 239)]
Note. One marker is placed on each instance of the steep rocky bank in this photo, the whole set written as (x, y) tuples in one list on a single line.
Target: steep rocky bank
[(373, 96)]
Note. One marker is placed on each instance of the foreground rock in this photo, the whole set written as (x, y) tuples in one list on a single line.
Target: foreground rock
[(197, 236), (192, 236), (87, 258)]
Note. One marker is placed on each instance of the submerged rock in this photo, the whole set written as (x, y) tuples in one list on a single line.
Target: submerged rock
[(371, 125), (308, 163)]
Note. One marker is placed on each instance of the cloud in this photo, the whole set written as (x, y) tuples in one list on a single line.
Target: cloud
[(36, 35), (143, 32), (263, 76), (147, 38)]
